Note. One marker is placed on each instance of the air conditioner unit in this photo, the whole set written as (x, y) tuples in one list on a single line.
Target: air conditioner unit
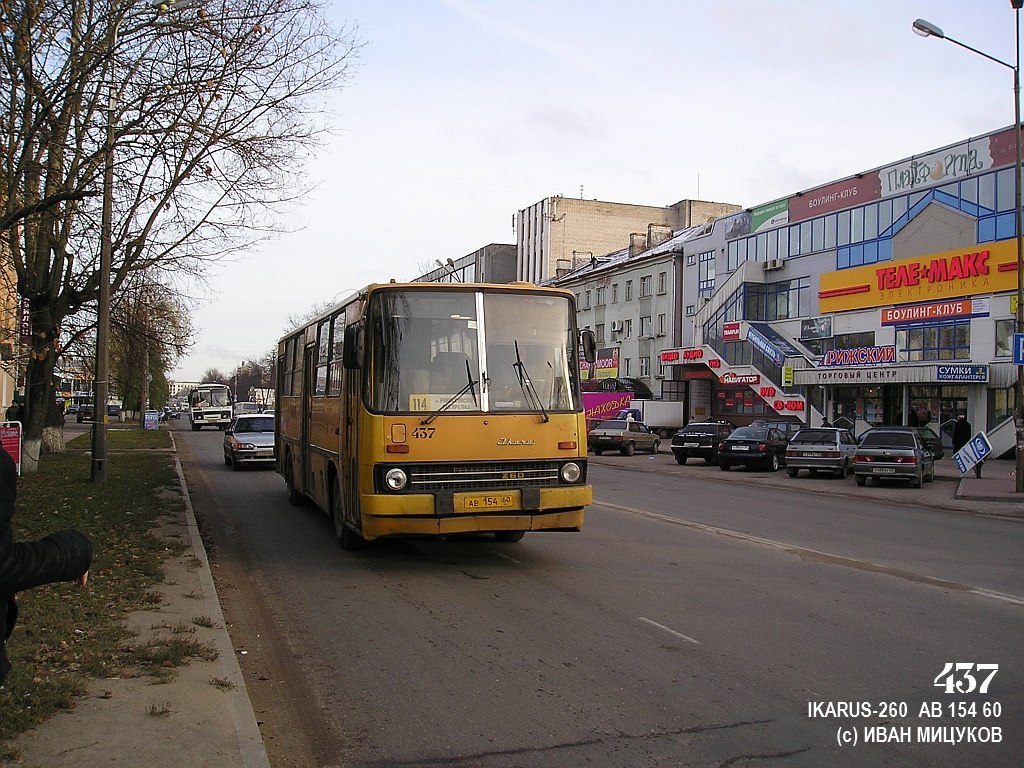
[(616, 326), (772, 264)]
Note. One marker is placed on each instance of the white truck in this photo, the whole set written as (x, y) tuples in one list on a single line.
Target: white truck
[(664, 417)]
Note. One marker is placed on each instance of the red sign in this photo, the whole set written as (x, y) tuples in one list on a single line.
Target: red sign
[(10, 439), (788, 405), (731, 332), (832, 197)]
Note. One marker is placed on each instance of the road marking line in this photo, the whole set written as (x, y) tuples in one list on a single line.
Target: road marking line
[(506, 557), (824, 557), (680, 635)]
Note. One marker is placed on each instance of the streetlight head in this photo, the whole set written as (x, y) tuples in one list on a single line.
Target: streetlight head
[(926, 29), (438, 262)]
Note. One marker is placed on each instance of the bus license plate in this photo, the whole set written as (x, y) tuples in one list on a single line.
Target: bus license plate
[(489, 501)]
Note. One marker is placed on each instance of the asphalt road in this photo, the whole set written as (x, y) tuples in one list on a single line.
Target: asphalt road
[(700, 619)]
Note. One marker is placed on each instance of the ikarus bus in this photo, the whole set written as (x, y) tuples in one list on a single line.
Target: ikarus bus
[(437, 408)]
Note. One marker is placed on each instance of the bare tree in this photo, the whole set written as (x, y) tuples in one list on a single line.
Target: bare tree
[(208, 116)]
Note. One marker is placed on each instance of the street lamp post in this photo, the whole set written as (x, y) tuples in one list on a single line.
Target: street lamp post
[(927, 29)]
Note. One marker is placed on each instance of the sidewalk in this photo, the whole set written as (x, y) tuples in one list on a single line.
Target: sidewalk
[(997, 483), (201, 718)]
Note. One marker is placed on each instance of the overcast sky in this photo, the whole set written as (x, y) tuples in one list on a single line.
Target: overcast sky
[(463, 112)]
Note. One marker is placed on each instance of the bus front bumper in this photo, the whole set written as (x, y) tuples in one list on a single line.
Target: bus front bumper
[(521, 509)]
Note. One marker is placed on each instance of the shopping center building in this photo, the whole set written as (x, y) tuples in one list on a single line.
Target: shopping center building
[(886, 297)]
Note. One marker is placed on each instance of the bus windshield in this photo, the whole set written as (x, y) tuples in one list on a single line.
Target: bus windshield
[(458, 351), (204, 398)]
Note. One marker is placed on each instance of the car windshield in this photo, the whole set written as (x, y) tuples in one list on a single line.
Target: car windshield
[(613, 424), (263, 424), (888, 439), (750, 433), (814, 437)]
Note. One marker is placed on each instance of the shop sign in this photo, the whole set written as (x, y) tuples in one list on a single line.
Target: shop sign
[(962, 373), (731, 332), (964, 159), (603, 405), (740, 378), (833, 197), (765, 347), (858, 356), (935, 311), (930, 278)]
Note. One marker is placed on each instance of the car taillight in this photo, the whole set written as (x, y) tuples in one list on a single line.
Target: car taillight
[(762, 448), (830, 454)]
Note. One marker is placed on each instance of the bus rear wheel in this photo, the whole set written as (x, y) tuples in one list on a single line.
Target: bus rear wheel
[(348, 539)]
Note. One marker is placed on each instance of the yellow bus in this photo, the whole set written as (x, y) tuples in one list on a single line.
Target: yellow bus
[(437, 408)]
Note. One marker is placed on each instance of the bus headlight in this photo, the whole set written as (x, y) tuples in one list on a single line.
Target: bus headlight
[(396, 479), (571, 472)]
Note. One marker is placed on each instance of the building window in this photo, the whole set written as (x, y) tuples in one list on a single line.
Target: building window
[(662, 283), (645, 286), (690, 310), (615, 293), (662, 320), (599, 297), (1004, 337), (628, 328), (646, 326), (691, 259), (629, 290), (706, 271), (645, 366), (936, 342), (599, 333), (586, 300), (627, 367)]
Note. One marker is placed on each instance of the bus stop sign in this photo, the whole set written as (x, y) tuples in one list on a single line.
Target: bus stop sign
[(977, 449), (1018, 349)]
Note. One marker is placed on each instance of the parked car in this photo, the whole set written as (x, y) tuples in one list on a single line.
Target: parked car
[(932, 440), (85, 413), (753, 447), (623, 436), (827, 449), (249, 439), (788, 428), (700, 439), (893, 453), (114, 410), (619, 384)]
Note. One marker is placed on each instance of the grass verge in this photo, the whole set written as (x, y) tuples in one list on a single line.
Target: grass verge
[(67, 635)]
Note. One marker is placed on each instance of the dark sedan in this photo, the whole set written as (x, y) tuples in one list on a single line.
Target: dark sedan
[(893, 453), (700, 440), (753, 447)]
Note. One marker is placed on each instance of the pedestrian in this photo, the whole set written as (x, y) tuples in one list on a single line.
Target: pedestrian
[(13, 411), (61, 556), (962, 434)]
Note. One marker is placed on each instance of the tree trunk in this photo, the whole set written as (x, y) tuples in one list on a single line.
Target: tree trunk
[(39, 391), (53, 440)]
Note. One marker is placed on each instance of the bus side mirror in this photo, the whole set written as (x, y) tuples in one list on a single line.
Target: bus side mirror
[(589, 345), (352, 356)]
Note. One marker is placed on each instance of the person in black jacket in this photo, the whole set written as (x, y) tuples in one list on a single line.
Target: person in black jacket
[(61, 556)]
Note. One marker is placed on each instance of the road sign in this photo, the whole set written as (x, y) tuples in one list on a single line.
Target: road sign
[(977, 449), (1018, 349)]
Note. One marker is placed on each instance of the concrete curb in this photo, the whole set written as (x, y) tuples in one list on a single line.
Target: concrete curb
[(252, 752)]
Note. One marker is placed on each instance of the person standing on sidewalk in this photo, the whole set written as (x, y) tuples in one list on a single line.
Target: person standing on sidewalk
[(962, 433), (61, 556)]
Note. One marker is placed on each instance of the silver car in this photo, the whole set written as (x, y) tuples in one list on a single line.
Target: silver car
[(249, 439), (825, 449)]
